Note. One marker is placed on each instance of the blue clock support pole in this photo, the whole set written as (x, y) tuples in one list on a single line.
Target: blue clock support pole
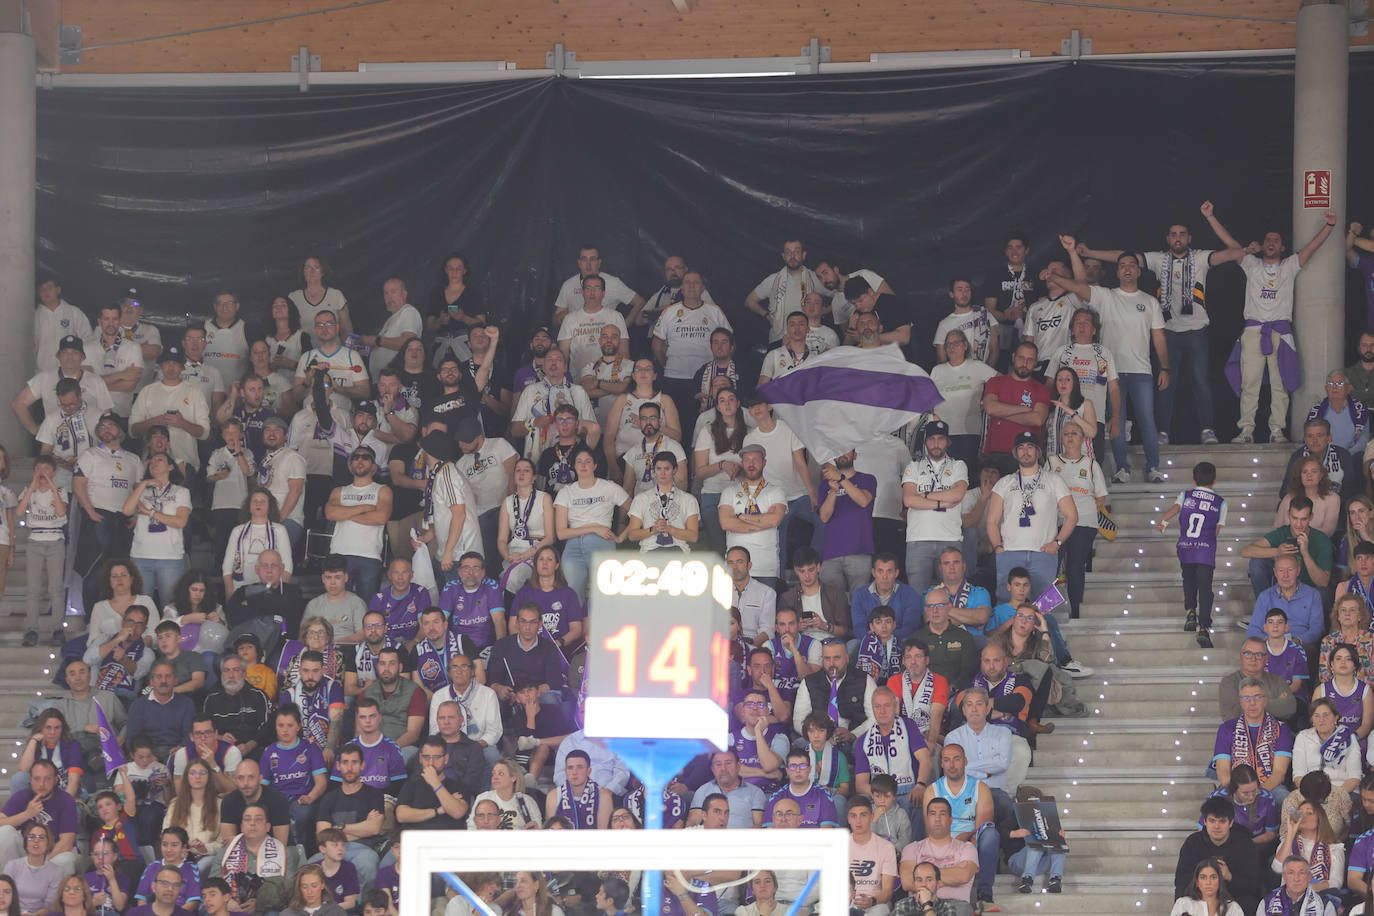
[(655, 761)]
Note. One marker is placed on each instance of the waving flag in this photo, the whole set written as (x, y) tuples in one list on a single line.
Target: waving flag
[(844, 397), (109, 747)]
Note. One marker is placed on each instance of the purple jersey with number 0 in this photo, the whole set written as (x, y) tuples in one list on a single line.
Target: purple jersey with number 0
[(1201, 512)]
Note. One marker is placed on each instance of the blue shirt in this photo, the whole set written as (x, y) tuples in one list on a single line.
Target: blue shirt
[(1304, 612), (904, 600)]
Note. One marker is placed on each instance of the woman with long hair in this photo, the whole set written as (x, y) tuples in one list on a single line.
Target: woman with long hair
[(585, 517), (1349, 626), (1088, 486), (259, 529), (317, 295), (1069, 407), (1207, 894), (454, 305), (715, 462), (195, 601), (1308, 478), (276, 390), (960, 379), (195, 809), (9, 897), (1359, 528), (1311, 838), (532, 896), (764, 884), (622, 423), (51, 740), (518, 810), (110, 888), (310, 895), (161, 507), (558, 603), (121, 586), (73, 898), (286, 339), (412, 367), (523, 526), (36, 878)]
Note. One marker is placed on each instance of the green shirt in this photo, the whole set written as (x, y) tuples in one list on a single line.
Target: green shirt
[(1361, 384), (1318, 545)]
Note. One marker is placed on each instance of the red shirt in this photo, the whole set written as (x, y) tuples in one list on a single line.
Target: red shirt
[(999, 434)]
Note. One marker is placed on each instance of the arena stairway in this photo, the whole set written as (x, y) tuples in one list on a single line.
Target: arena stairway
[(1129, 777)]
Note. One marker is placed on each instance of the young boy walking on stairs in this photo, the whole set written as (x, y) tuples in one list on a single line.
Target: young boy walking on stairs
[(1202, 513)]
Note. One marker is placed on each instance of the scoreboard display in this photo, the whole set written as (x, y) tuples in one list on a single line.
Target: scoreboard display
[(658, 656)]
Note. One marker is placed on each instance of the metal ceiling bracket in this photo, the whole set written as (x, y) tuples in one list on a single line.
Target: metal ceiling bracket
[(1359, 18), (312, 64), (813, 55), (1075, 46), (560, 60), (69, 44)]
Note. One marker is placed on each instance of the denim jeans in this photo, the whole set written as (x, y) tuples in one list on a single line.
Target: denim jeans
[(1031, 862), (1075, 553), (848, 572), (923, 561), (1189, 365), (989, 844), (1041, 566), (1137, 403), (364, 576), (160, 576), (577, 560), (710, 523), (799, 508)]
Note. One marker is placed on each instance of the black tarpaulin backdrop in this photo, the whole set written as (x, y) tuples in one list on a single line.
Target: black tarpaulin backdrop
[(915, 175)]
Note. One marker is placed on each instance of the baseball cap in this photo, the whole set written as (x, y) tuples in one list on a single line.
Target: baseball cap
[(171, 354), (937, 428), (274, 420), (365, 407), (1024, 437), (71, 342), (469, 430)]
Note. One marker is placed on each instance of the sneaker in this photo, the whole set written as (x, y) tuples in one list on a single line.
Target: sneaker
[(1154, 475), (1204, 639), (1276, 437), (1074, 669), (1054, 885), (1190, 622), (31, 638), (526, 743), (1246, 437), (58, 638), (1025, 884), (1209, 437), (1122, 475), (1163, 437), (986, 904)]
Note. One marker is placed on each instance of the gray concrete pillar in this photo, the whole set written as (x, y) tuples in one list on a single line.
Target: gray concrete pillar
[(1322, 79), (18, 155)]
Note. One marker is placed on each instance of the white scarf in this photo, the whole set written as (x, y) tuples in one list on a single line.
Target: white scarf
[(917, 705), (1278, 904), (271, 861), (890, 753)]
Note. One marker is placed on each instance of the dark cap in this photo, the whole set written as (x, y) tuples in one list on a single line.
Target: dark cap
[(248, 639), (439, 445), (171, 354), (937, 428), (1025, 437), (365, 407), (541, 329), (274, 420), (71, 342), (113, 417), (469, 430)]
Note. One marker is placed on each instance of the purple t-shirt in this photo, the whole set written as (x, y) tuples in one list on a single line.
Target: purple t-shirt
[(389, 879), (1361, 858), (291, 770), (59, 811), (190, 882), (1289, 664), (382, 762), (558, 607), (1283, 744), (69, 753), (817, 806), (99, 884), (345, 881), (469, 612), (403, 613), (746, 746), (1350, 708), (891, 751), (850, 529), (1201, 510), (147, 910), (1258, 817)]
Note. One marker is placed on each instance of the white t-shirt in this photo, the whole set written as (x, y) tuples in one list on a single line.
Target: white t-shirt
[(975, 323), (594, 505), (1047, 323), (639, 461), (535, 522), (1269, 287), (686, 334), (333, 301), (316, 448), (110, 475), (43, 386), (246, 541), (1095, 367), (1086, 482), (354, 539), (451, 489), (145, 334), (649, 506), (485, 470), (743, 498), (123, 354), (570, 293), (1155, 260), (840, 307), (780, 360), (51, 325), (962, 389), (820, 338), (539, 399), (203, 376), (716, 483), (779, 446), (230, 492), (291, 348), (156, 540), (1042, 491), (625, 428), (582, 330), (886, 458), (929, 476), (68, 437), (783, 293), (227, 349), (185, 398), (405, 318), (41, 517), (613, 369), (7, 501), (276, 472), (345, 369), (1127, 320)]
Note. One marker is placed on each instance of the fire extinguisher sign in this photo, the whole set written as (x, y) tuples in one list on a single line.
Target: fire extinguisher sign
[(1316, 189)]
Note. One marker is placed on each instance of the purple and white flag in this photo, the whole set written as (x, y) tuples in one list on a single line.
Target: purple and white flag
[(844, 397), (109, 747), (1049, 599)]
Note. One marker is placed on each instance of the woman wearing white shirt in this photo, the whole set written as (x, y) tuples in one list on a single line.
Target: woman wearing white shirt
[(1207, 896), (961, 381), (1312, 839), (316, 295), (622, 432), (584, 515), (715, 462), (523, 526), (261, 529), (121, 587), (1329, 746), (287, 341), (161, 509)]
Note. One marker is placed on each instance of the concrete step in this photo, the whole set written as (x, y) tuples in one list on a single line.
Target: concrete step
[(1090, 895), (1108, 749), (1163, 641), (1068, 791), (1185, 651), (1227, 562), (1222, 455), (1097, 612)]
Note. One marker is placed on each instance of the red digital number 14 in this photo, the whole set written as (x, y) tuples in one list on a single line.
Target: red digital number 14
[(671, 664)]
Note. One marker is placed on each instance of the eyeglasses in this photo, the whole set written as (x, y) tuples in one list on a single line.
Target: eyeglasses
[(1336, 384), (431, 756), (931, 604), (1252, 699), (755, 705), (1246, 653), (797, 767), (324, 324), (36, 836), (1025, 616), (161, 883)]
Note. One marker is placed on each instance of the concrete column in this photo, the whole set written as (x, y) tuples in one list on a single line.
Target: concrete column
[(18, 155), (1322, 79)]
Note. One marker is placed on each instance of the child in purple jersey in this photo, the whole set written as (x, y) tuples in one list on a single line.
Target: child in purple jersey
[(474, 603), (880, 655), (816, 802), (1202, 513), (1256, 808), (1285, 655), (340, 875), (174, 845), (293, 767), (401, 600)]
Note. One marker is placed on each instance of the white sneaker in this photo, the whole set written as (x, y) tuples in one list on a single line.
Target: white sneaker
[(1246, 437), (1276, 437), (526, 743), (1074, 669), (1209, 437), (1122, 475), (1163, 437), (1154, 475)]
